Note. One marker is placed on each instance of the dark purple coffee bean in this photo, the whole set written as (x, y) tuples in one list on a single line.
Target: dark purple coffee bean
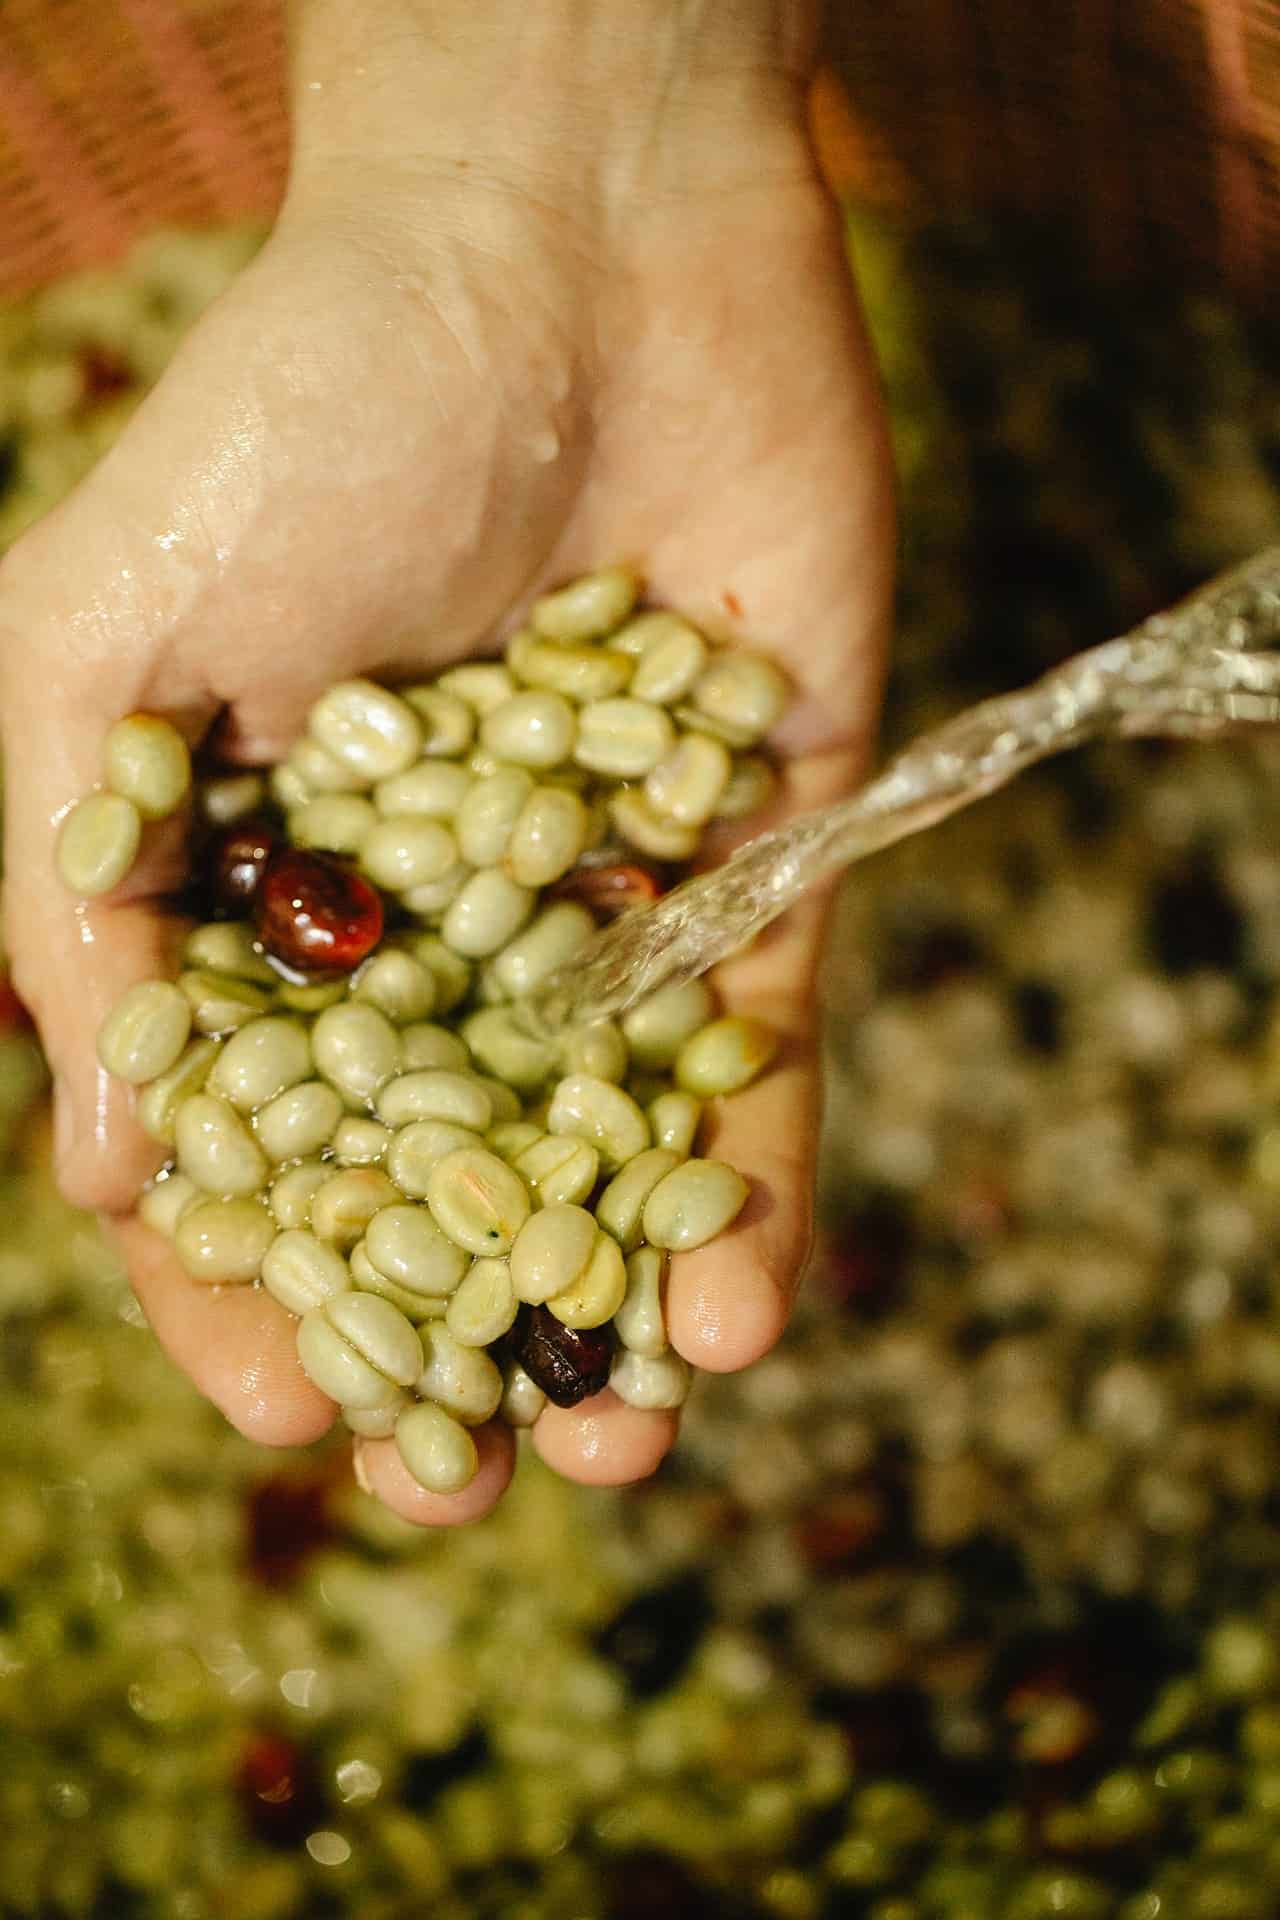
[(569, 1364)]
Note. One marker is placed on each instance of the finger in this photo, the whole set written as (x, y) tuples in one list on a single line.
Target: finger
[(236, 1344), (381, 1472), (603, 1442)]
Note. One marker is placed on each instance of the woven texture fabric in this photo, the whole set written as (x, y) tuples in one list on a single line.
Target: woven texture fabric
[(1150, 126)]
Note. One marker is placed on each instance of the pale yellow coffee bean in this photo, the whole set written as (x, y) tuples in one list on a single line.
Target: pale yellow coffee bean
[(417, 1307), (579, 673), (561, 1170), (407, 850), (558, 933), (343, 1205), (639, 1322), (98, 844), (673, 1121), (658, 1384), (148, 762), (484, 1306), (415, 1148), (598, 1049), (548, 837), (333, 822), (481, 685), (163, 1201), (366, 729), (302, 1272), (457, 1376), (216, 1149), (481, 764), (288, 788), (696, 721), (598, 1291), (622, 738), (505, 1104), (223, 1242), (231, 797), (477, 1200), (144, 1034), (597, 1111), (158, 1104), (358, 1142), (436, 1094), (621, 1205), (260, 1061), (489, 812), (658, 1027), (500, 1046), (488, 911), (356, 1048), (672, 654), (433, 788), (686, 786), (695, 1202), (744, 691), (438, 1451), (299, 1122), (724, 1056), (551, 1252), (293, 1191), (406, 1245), (228, 946), (531, 729), (751, 786), (452, 973), (221, 1003), (429, 901), (447, 722), (522, 1399), (376, 1423), (655, 834), (312, 997), (397, 985), (316, 770), (587, 608), (509, 1138), (425, 1045)]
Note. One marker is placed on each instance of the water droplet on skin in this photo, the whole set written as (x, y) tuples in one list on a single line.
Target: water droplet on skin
[(545, 446), (173, 538)]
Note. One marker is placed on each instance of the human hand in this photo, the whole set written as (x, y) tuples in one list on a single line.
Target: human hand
[(450, 379)]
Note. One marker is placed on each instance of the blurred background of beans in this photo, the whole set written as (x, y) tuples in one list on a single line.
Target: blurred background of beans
[(962, 1606)]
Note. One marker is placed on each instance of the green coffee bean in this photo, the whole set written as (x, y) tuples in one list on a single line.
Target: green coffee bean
[(658, 1383), (311, 996), (216, 1150), (343, 1205), (481, 764), (406, 1245), (366, 729), (509, 1138), (376, 1423), (315, 770), (457, 1377), (299, 1122), (293, 1191), (696, 1201), (673, 1120), (743, 691), (430, 900), (417, 1307), (219, 1002), (686, 786), (453, 975), (654, 834), (145, 1033), (586, 608), (415, 1148), (696, 721), (163, 1201), (751, 786), (522, 1400), (639, 1322), (433, 1093), (397, 985), (147, 761), (489, 812), (548, 837), (356, 1048), (288, 788), (597, 1049), (671, 656), (500, 1045), (439, 1453), (477, 1200), (595, 1110), (551, 1252), (334, 822), (338, 1366), (579, 673), (484, 1306), (489, 910), (561, 1170), (549, 941), (379, 1333), (481, 684), (360, 1143), (424, 1045), (724, 1056), (302, 1272), (231, 797), (505, 1103), (531, 729), (623, 738), (621, 1205), (228, 946), (407, 850), (224, 1242), (598, 1291), (447, 722), (434, 788), (98, 844), (260, 1061)]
